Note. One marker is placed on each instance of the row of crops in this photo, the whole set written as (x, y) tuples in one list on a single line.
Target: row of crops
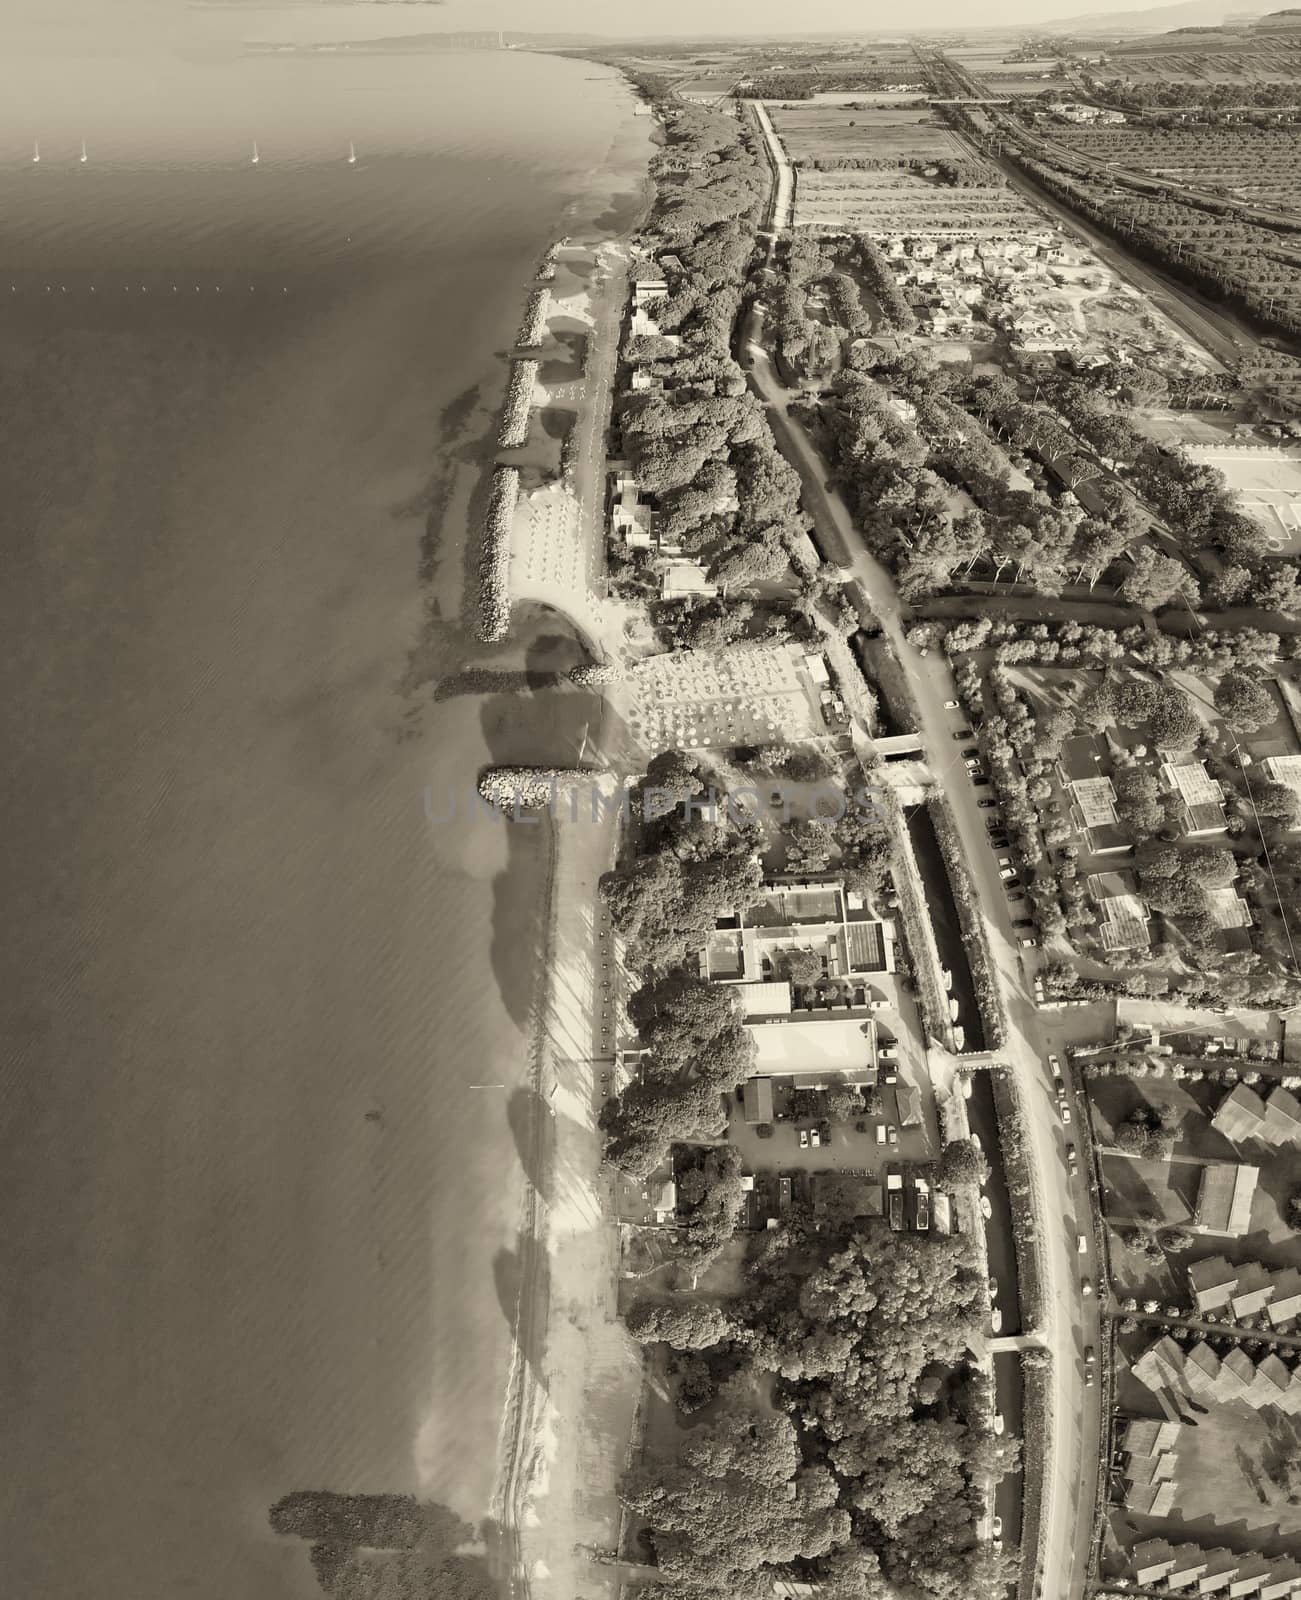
[(1259, 164)]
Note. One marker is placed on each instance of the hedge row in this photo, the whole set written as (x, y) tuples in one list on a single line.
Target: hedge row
[(1036, 1403), (992, 1014), (1026, 1207)]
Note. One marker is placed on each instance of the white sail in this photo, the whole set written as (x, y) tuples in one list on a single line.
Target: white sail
[(36, 150), (256, 157), (84, 156), (352, 154)]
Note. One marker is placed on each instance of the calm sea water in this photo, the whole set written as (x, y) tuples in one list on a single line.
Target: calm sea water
[(257, 1233)]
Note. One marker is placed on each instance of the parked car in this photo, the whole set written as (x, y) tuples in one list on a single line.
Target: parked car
[(1066, 1114), (986, 802), (893, 1135), (1007, 873), (887, 1052), (969, 754), (961, 734), (880, 1133), (1017, 894), (1005, 861), (950, 705), (996, 1527), (986, 1210), (1029, 942), (995, 1320), (999, 1425), (1072, 1158), (1055, 1063), (815, 1139), (1082, 1244), (1013, 882), (804, 1138)]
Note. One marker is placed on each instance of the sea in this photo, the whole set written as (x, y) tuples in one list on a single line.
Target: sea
[(266, 1013)]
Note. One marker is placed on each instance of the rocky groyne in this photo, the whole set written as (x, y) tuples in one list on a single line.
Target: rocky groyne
[(514, 429), (533, 324), (513, 789), (494, 555)]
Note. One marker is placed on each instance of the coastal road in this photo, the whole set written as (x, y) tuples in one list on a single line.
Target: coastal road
[(1073, 1423), (783, 194)]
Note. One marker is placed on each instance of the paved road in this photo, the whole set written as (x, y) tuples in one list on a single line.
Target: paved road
[(1070, 1320), (783, 199)]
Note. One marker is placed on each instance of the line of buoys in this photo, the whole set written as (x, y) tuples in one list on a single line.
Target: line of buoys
[(255, 159), (143, 288)]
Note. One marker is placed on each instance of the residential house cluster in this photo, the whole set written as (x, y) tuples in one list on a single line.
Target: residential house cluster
[(1190, 1569), (1198, 1376), (1082, 113), (797, 918), (1247, 1293), (953, 283), (1149, 1465), (1244, 1116), (632, 513)]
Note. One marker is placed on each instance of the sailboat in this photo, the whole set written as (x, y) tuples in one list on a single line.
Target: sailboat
[(36, 150), (256, 157), (352, 154), (84, 156)]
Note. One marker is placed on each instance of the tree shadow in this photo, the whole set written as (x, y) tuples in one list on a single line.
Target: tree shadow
[(533, 1130), (523, 1280), (368, 1546)]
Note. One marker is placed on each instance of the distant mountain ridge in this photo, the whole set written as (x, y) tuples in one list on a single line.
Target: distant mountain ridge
[(1163, 19)]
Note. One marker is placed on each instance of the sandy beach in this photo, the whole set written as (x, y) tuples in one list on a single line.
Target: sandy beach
[(576, 1373)]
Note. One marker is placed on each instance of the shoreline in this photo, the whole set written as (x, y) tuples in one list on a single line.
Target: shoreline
[(568, 1238)]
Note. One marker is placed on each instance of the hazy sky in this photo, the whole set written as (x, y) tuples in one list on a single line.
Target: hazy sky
[(763, 16)]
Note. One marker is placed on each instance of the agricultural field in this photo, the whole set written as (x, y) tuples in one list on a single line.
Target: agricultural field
[(900, 203), (885, 135), (1001, 77), (1260, 164), (1239, 60)]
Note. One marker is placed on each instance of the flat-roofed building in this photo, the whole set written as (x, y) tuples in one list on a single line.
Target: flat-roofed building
[(1285, 770), (1227, 908), (1224, 1197), (1212, 1283), (1201, 797), (769, 999), (1095, 814), (1123, 912)]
